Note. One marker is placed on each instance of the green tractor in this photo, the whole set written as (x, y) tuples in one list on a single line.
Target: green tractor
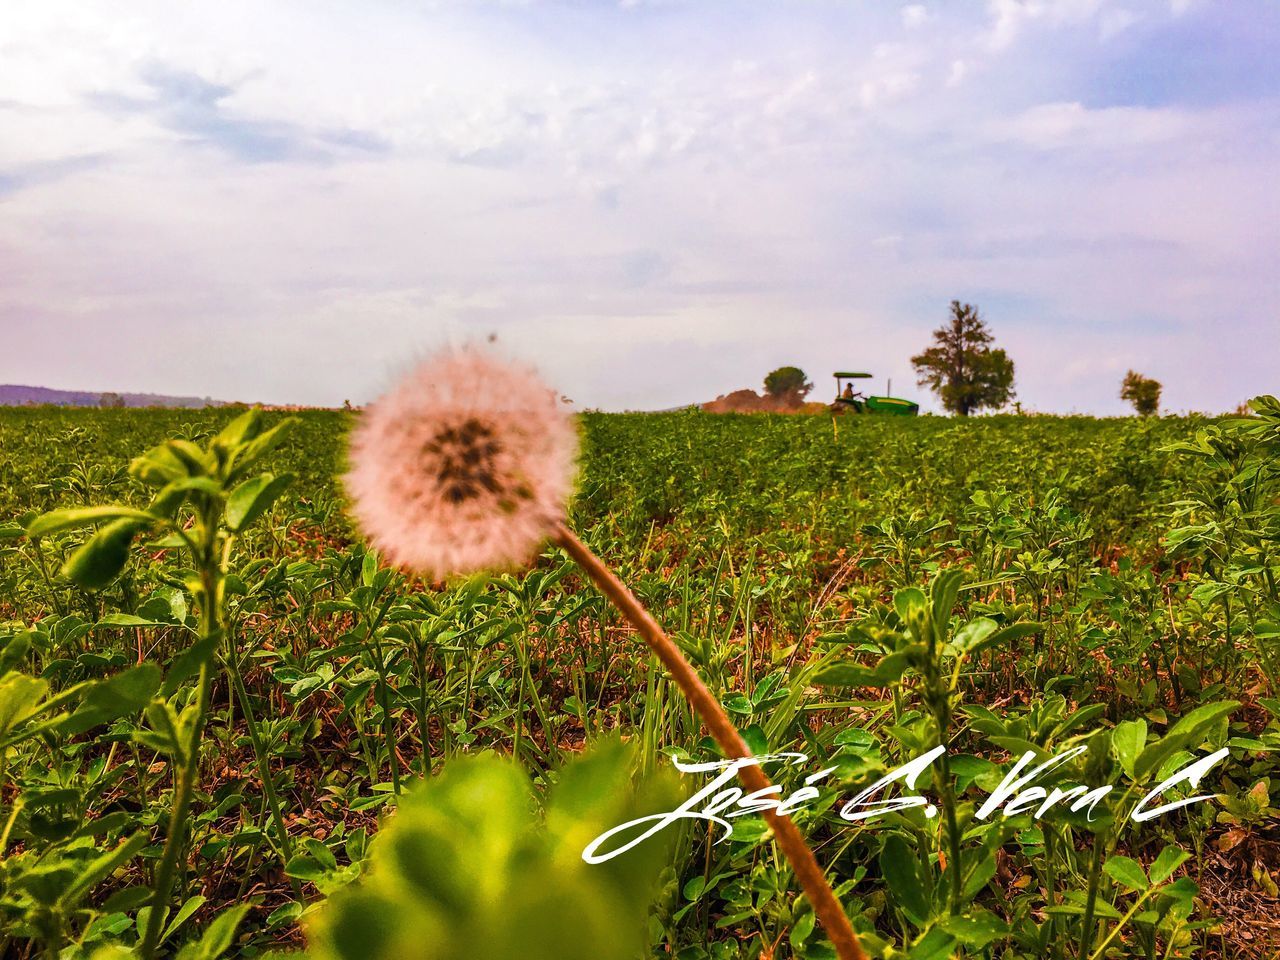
[(849, 400)]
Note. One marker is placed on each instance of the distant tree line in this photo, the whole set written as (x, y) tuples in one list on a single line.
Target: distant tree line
[(969, 374), (962, 366)]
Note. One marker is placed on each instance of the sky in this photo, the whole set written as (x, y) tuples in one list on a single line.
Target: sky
[(653, 202)]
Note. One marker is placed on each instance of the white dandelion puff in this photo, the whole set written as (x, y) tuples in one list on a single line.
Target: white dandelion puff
[(466, 465)]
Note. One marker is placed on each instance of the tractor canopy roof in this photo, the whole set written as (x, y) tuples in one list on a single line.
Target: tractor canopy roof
[(851, 376)]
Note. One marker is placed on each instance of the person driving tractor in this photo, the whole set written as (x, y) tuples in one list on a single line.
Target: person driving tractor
[(850, 400)]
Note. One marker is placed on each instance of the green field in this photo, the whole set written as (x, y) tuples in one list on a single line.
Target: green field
[(781, 553)]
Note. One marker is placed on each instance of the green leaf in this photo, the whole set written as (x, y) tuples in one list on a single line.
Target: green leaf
[(172, 495), (283, 914), (843, 675), (125, 693), (15, 651), (219, 936), (101, 558), (969, 767), (102, 866), (129, 620), (1208, 592), (241, 429), (1170, 859), (163, 736), (937, 944), (261, 445), (1020, 745), (1078, 718), (1007, 635), (1181, 735), (943, 593), (1129, 738), (20, 697), (901, 871), (322, 854), (1127, 872), (969, 638), (158, 467), (188, 663), (755, 739), (127, 899), (302, 867), (887, 671), (184, 912), (980, 874), (801, 931), (252, 498), (58, 520), (1183, 890), (976, 929), (369, 567), (192, 458), (200, 484), (908, 602)]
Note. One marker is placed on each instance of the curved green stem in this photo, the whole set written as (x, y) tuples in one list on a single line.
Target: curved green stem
[(1091, 898), (211, 569), (953, 836), (175, 839), (388, 724), (263, 758)]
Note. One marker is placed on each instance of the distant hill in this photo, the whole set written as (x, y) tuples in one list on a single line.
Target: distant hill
[(12, 395)]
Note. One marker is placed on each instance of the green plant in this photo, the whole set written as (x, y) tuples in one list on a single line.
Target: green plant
[(467, 869), (205, 498), (772, 548)]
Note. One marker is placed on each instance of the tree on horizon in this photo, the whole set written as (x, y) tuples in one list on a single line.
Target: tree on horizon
[(962, 367), (1142, 392), (787, 385)]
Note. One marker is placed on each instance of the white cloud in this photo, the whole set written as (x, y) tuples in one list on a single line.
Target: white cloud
[(1112, 23), (887, 88), (915, 15), (1057, 125), (1008, 18)]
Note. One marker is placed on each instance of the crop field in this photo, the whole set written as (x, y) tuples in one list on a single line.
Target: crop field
[(1103, 584)]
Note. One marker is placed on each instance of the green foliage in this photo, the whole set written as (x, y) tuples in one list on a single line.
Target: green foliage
[(962, 367), (466, 869), (1142, 392), (858, 596)]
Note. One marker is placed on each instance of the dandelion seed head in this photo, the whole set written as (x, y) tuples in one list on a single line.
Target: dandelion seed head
[(466, 465)]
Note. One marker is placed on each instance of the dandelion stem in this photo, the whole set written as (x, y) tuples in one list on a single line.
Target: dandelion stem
[(825, 905)]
